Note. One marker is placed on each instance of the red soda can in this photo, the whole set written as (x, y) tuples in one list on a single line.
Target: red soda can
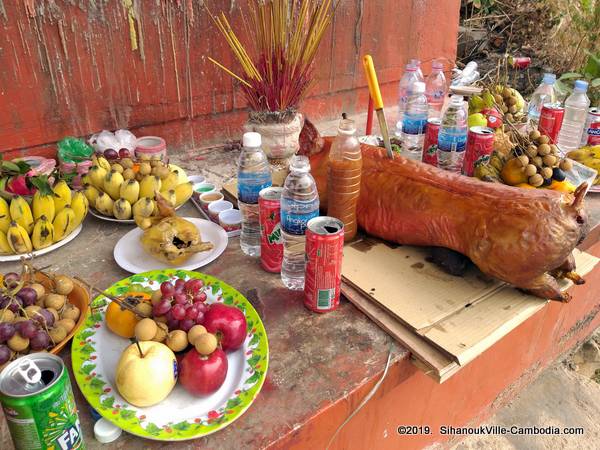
[(480, 144), (519, 62), (431, 140), (591, 132), (551, 118), (271, 241), (324, 252)]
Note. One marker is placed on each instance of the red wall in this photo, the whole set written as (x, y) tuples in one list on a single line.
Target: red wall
[(68, 68)]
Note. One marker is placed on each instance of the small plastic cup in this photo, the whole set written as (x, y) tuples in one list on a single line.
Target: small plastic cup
[(209, 197), (216, 208), (196, 179), (201, 188), (231, 219)]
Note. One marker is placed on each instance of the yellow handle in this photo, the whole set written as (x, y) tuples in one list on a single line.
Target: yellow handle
[(372, 80)]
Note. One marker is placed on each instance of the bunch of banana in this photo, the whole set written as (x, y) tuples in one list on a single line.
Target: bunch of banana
[(504, 98), (588, 156), (125, 187), (53, 215)]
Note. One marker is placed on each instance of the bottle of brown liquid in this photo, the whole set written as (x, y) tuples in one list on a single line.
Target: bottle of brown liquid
[(343, 184)]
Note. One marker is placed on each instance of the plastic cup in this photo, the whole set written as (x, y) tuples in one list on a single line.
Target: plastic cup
[(215, 208), (231, 219), (196, 179), (209, 197), (201, 188)]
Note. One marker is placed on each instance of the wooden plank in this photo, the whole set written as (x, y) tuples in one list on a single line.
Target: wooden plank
[(412, 289), (230, 191)]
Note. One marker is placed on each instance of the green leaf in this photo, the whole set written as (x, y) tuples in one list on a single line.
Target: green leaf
[(87, 349), (181, 274), (97, 383), (595, 82), (122, 290), (228, 300), (233, 402), (88, 368), (86, 334), (96, 317), (127, 414), (181, 426), (254, 377), (253, 361), (254, 340), (10, 166), (153, 429), (570, 76), (42, 184), (108, 402), (137, 279), (161, 278)]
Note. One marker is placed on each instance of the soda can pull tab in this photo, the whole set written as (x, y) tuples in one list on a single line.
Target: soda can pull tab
[(30, 372)]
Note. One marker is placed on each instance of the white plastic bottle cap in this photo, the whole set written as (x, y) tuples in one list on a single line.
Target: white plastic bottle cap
[(251, 139), (457, 99), (418, 87), (105, 431)]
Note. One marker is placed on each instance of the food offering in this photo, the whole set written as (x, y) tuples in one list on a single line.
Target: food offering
[(51, 216), (496, 104), (589, 156), (120, 188), (38, 312), (197, 359)]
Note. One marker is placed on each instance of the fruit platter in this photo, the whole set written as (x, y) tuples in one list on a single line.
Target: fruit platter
[(170, 355), (119, 189)]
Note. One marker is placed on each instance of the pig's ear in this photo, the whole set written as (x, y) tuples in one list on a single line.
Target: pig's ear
[(579, 194)]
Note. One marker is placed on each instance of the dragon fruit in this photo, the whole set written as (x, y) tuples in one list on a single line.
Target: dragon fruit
[(18, 185)]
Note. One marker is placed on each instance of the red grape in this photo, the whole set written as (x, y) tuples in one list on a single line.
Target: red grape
[(161, 308), (179, 285), (4, 300), (7, 330), (39, 341), (4, 354), (178, 312), (199, 298), (124, 153), (191, 313), (27, 329), (180, 298), (44, 317), (111, 154), (201, 307), (167, 289), (186, 324), (27, 295), (172, 323), (199, 318), (193, 285)]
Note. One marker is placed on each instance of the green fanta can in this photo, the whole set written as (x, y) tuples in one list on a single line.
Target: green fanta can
[(38, 403)]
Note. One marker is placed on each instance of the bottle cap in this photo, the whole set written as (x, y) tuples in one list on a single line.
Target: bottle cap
[(437, 65), (251, 139), (347, 127), (415, 63), (418, 87), (106, 432), (581, 85), (410, 68), (300, 163), (549, 78)]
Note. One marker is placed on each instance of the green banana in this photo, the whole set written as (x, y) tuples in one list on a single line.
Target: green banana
[(112, 184), (43, 233), (63, 223), (104, 204), (43, 205), (149, 185), (4, 216), (122, 209), (20, 212), (130, 191), (62, 196), (18, 239)]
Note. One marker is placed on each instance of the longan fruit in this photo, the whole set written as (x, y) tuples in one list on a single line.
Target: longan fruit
[(498, 99), (506, 92), (7, 315), (194, 332), (127, 163), (543, 149), (546, 172), (536, 180), (531, 150), (70, 312), (530, 170), (534, 135), (177, 340), (161, 332), (524, 160), (554, 149), (543, 139), (18, 343), (144, 309), (117, 167), (67, 324), (512, 109), (57, 334), (55, 301), (146, 329), (63, 284), (145, 168), (538, 161), (566, 164), (54, 312), (39, 289), (32, 310), (549, 160), (206, 343), (128, 174), (509, 117), (504, 108)]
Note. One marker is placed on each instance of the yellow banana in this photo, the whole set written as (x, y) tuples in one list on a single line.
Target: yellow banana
[(43, 205), (183, 192), (130, 191), (112, 184), (79, 204), (91, 193), (149, 185), (4, 215), (97, 175), (20, 212), (63, 223), (43, 233), (143, 207), (101, 161), (170, 181), (18, 239), (143, 222), (104, 204), (122, 209), (85, 179), (169, 196), (4, 246), (62, 196)]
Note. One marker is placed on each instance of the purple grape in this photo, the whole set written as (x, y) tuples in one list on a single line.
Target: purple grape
[(15, 305), (11, 280), (124, 153), (201, 307), (40, 340), (199, 318), (26, 329), (186, 324), (28, 296), (191, 313), (179, 285), (172, 323), (4, 354), (7, 330), (193, 285), (167, 289), (4, 300), (111, 154), (179, 312), (44, 317), (200, 298), (180, 298), (161, 308)]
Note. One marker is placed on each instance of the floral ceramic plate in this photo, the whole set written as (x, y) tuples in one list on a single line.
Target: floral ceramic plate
[(96, 350)]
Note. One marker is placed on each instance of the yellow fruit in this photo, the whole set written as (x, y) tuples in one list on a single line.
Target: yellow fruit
[(80, 205), (169, 196), (170, 182), (112, 184), (513, 173), (103, 162), (5, 248), (20, 212), (104, 204), (149, 185), (143, 207), (4, 215), (562, 186), (91, 193), (62, 196), (63, 223), (130, 191), (43, 233), (43, 205), (97, 175), (128, 174), (183, 192), (18, 239), (122, 209), (143, 222)]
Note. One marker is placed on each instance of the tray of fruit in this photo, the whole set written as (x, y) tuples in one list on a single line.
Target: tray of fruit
[(198, 359), (38, 312), (589, 156), (120, 189), (52, 220)]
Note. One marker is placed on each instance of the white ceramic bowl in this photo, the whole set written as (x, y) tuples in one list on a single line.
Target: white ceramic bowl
[(230, 220), (215, 208)]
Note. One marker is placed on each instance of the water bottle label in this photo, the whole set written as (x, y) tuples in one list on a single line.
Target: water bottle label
[(414, 124), (448, 143), (250, 184), (294, 223)]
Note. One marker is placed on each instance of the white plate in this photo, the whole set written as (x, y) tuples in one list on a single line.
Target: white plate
[(131, 256), (95, 213), (69, 238)]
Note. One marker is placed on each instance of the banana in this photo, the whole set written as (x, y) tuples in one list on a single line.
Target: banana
[(20, 212), (122, 209), (149, 185), (102, 162), (63, 223), (104, 204), (143, 222), (80, 205), (130, 191), (85, 179), (143, 207), (18, 239), (183, 192), (97, 175), (4, 246), (170, 182), (91, 193), (169, 196), (43, 205), (112, 184), (43, 233), (4, 215), (62, 196)]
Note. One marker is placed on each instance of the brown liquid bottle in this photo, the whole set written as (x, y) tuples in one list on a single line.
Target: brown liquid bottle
[(343, 183)]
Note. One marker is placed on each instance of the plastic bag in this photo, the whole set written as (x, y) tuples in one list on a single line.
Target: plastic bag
[(115, 141), (73, 150)]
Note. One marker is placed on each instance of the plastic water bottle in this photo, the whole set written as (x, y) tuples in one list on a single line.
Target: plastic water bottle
[(254, 174), (415, 120), (452, 138), (576, 111), (543, 94), (417, 63), (299, 204), (436, 89), (407, 81)]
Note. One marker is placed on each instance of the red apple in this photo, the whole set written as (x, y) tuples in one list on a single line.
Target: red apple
[(202, 375), (228, 323)]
